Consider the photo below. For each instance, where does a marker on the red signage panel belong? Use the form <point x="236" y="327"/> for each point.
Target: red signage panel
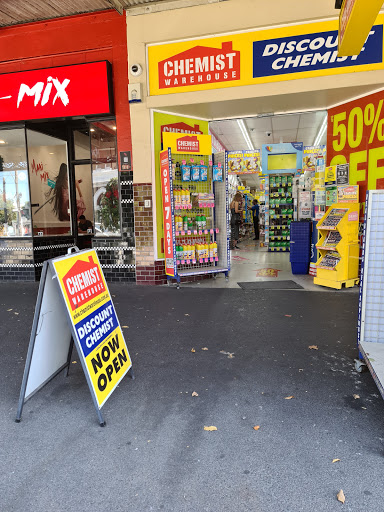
<point x="188" y="144"/>
<point x="65" y="91"/>
<point x="83" y="282"/>
<point x="356" y="137"/>
<point x="167" y="212"/>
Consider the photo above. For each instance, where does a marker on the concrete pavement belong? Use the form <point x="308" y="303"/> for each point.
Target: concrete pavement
<point x="154" y="453"/>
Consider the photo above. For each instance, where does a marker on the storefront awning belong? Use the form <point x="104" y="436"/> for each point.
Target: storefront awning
<point x="14" y="13"/>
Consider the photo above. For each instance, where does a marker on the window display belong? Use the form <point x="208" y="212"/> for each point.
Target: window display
<point x="15" y="207"/>
<point x="105" y="178"/>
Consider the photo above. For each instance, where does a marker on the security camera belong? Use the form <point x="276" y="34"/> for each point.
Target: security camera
<point x="136" y="70"/>
<point x="268" y="134"/>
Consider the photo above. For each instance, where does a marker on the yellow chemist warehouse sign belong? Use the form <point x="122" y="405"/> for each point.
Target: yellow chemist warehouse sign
<point x="189" y="144"/>
<point x="284" y="53"/>
<point x="97" y="330"/>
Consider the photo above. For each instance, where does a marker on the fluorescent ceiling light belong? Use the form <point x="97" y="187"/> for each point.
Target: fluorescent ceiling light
<point x="244" y="131"/>
<point x="321" y="131"/>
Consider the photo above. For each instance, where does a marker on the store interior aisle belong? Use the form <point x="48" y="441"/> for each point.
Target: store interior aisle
<point x="254" y="263"/>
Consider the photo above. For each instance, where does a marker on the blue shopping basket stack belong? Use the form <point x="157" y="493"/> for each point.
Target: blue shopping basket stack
<point x="300" y="247"/>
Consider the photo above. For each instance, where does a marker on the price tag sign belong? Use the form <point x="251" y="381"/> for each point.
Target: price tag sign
<point x="210" y="162"/>
<point x="201" y="162"/>
<point x="219" y="164"/>
<point x="183" y="233"/>
<point x="188" y="262"/>
<point x="183" y="162"/>
<point x="188" y="232"/>
<point x="182" y="262"/>
<point x="211" y="231"/>
<point x="200" y="232"/>
<point x="193" y="261"/>
<point x="205" y="260"/>
<point x="217" y="230"/>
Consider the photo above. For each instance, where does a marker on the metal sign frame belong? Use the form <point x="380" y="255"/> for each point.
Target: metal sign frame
<point x="49" y="278"/>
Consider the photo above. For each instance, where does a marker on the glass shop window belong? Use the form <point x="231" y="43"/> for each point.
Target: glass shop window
<point x="105" y="179"/>
<point x="49" y="184"/>
<point x="15" y="207"/>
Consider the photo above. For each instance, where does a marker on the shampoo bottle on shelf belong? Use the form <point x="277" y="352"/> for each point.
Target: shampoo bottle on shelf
<point x="185" y="223"/>
<point x="214" y="249"/>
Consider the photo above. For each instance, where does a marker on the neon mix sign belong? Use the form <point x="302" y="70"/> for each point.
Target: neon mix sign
<point x="65" y="91"/>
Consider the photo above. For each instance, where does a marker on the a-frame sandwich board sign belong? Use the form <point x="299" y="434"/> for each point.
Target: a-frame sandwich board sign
<point x="74" y="305"/>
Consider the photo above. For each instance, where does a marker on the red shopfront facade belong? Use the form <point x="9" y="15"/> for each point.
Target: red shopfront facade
<point x="64" y="121"/>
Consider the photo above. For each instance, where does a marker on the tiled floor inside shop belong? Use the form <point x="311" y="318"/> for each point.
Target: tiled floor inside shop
<point x="250" y="261"/>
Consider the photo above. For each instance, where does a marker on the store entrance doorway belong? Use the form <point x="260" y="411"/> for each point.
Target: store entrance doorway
<point x="272" y="163"/>
<point x="60" y="177"/>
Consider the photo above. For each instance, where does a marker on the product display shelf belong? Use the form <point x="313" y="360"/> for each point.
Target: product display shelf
<point x="199" y="218"/>
<point x="280" y="210"/>
<point x="338" y="264"/>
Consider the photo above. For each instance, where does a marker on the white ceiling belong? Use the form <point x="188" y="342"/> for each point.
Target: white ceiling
<point x="301" y="127"/>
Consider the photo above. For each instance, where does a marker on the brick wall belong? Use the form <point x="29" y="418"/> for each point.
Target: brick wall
<point x="48" y="248"/>
<point x="145" y="260"/>
<point x="16" y="260"/>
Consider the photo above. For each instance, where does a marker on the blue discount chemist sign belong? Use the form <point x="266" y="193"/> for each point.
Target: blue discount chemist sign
<point x="311" y="52"/>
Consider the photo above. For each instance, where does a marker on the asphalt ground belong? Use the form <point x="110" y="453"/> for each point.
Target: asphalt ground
<point x="154" y="454"/>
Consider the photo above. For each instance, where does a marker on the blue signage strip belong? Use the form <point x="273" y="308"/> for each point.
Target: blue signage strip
<point x="96" y="327"/>
<point x="311" y="52"/>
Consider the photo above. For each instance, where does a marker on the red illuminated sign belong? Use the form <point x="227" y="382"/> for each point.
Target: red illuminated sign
<point x="200" y="65"/>
<point x="65" y="91"/>
<point x="188" y="144"/>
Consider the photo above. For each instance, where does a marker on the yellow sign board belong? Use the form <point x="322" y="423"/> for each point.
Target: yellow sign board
<point x="188" y="144"/>
<point x="330" y="175"/>
<point x="96" y="328"/>
<point x="259" y="56"/>
<point x="355" y="23"/>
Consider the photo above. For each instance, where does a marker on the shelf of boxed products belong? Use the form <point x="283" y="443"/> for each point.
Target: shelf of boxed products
<point x="197" y="253"/>
<point x="331" y="240"/>
<point x="281" y="209"/>
<point x="184" y="199"/>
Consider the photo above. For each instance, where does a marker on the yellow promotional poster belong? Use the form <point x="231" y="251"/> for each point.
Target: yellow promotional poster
<point x="169" y="123"/>
<point x="100" y="341"/>
<point x="259" y="56"/>
<point x="330" y="175"/>
<point x="244" y="162"/>
<point x="348" y="194"/>
<point x="188" y="144"/>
